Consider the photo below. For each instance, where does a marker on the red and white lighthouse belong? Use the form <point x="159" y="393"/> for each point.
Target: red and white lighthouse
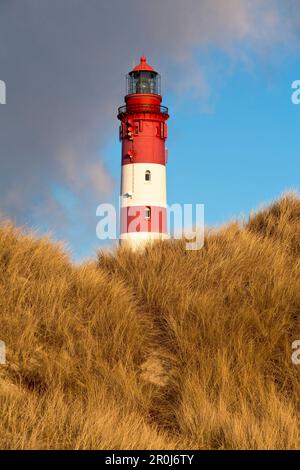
<point x="143" y="132"/>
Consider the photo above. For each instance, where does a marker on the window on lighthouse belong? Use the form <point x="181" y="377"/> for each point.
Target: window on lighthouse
<point x="147" y="213"/>
<point x="148" y="175"/>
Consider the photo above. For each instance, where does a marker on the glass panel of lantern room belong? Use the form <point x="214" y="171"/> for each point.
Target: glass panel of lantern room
<point x="143" y="82"/>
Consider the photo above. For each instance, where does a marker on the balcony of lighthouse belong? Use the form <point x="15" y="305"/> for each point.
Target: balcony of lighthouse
<point x="142" y="108"/>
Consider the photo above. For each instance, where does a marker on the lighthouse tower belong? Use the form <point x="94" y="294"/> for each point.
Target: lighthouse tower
<point x="143" y="133"/>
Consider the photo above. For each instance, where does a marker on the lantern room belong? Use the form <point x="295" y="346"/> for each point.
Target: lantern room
<point x="143" y="79"/>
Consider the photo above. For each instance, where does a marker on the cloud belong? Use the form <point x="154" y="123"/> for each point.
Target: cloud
<point x="64" y="63"/>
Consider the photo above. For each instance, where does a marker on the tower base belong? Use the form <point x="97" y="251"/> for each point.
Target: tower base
<point x="139" y="240"/>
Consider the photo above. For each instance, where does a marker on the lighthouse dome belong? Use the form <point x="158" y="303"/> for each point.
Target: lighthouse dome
<point x="143" y="66"/>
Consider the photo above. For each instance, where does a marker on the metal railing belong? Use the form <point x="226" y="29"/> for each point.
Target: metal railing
<point x="143" y="108"/>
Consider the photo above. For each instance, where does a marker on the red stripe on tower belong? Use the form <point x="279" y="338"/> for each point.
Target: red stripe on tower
<point x="143" y="219"/>
<point x="143" y="132"/>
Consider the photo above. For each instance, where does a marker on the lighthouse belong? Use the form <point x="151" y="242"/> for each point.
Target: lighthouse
<point x="143" y="133"/>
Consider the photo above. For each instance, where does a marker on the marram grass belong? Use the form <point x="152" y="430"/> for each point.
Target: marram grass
<point x="161" y="349"/>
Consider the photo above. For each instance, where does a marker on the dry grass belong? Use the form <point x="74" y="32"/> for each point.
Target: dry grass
<point x="156" y="350"/>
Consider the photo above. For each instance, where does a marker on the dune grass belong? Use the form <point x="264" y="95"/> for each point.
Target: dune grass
<point x="160" y="349"/>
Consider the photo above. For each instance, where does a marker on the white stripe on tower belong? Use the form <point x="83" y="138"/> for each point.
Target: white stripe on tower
<point x="145" y="192"/>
